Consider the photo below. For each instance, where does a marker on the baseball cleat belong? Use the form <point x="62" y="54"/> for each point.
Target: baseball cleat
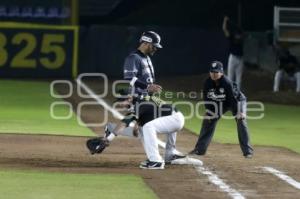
<point x="152" y="165"/>
<point x="106" y="130"/>
<point x="249" y="156"/>
<point x="109" y="129"/>
<point x="174" y="157"/>
<point x="144" y="163"/>
<point x="196" y="152"/>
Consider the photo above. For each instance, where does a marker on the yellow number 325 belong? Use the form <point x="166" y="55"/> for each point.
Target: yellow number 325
<point x="51" y="47"/>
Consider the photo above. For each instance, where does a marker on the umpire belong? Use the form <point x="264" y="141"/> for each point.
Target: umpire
<point x="220" y="95"/>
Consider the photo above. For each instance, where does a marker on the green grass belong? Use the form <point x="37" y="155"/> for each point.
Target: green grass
<point x="280" y="126"/>
<point x="54" y="185"/>
<point x="25" y="108"/>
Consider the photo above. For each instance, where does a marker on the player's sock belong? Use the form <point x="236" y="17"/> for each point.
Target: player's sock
<point x="110" y="137"/>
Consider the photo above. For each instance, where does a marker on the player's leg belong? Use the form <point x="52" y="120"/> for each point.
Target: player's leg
<point x="297" y="77"/>
<point x="122" y="128"/>
<point x="243" y="132"/>
<point x="239" y="71"/>
<point x="149" y="140"/>
<point x="230" y="67"/>
<point x="112" y="130"/>
<point x="169" y="125"/>
<point x="206" y="134"/>
<point x="243" y="135"/>
<point x="170" y="145"/>
<point x="150" y="143"/>
<point x="170" y="152"/>
<point x="277" y="79"/>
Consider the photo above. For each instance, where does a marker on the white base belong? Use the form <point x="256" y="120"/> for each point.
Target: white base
<point x="187" y="161"/>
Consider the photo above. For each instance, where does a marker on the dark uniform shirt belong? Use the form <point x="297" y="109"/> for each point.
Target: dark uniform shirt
<point x="289" y="64"/>
<point x="236" y="44"/>
<point x="224" y="94"/>
<point x="150" y="109"/>
<point x="138" y="68"/>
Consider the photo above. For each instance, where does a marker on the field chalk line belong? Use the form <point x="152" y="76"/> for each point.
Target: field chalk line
<point x="213" y="178"/>
<point x="283" y="177"/>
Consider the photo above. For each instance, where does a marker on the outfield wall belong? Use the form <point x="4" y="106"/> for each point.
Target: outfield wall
<point x="38" y="51"/>
<point x="45" y="51"/>
<point x="185" y="50"/>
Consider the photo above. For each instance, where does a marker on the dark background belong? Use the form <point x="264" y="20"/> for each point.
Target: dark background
<point x="256" y="15"/>
<point x="191" y="31"/>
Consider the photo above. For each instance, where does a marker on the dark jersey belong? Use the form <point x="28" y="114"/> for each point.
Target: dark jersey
<point x="138" y="69"/>
<point x="147" y="110"/>
<point x="289" y="64"/>
<point x="223" y="93"/>
<point x="236" y="44"/>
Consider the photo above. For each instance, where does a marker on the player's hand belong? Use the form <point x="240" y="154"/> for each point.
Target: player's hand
<point x="154" y="88"/>
<point x="226" y="18"/>
<point x="241" y="116"/>
<point x="135" y="131"/>
<point x="130" y="99"/>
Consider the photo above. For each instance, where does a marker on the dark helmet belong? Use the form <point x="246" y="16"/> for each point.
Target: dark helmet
<point x="151" y="37"/>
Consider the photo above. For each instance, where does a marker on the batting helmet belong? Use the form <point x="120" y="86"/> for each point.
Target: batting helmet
<point x="151" y="37"/>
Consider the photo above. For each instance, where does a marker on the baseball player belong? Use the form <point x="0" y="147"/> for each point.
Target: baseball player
<point x="288" y="68"/>
<point x="220" y="95"/>
<point x="235" y="61"/>
<point x="153" y="116"/>
<point x="138" y="69"/>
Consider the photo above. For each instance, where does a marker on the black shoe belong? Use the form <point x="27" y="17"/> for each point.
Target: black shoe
<point x="196" y="152"/>
<point x="144" y="163"/>
<point x="106" y="131"/>
<point x="248" y="156"/>
<point x="152" y="165"/>
<point x="174" y="157"/>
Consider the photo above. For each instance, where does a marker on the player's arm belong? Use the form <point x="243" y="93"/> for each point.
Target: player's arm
<point x="208" y="103"/>
<point x="225" y="26"/>
<point x="205" y="93"/>
<point x="237" y="100"/>
<point x="131" y="68"/>
<point x="232" y="94"/>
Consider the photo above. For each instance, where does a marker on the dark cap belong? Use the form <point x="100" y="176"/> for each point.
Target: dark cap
<point x="151" y="37"/>
<point x="216" y="67"/>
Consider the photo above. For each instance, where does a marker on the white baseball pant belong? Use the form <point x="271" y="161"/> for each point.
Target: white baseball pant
<point x="279" y="75"/>
<point x="168" y="125"/>
<point x="235" y="69"/>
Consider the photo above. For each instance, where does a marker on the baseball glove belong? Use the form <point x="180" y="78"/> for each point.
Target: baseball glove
<point x="96" y="145"/>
